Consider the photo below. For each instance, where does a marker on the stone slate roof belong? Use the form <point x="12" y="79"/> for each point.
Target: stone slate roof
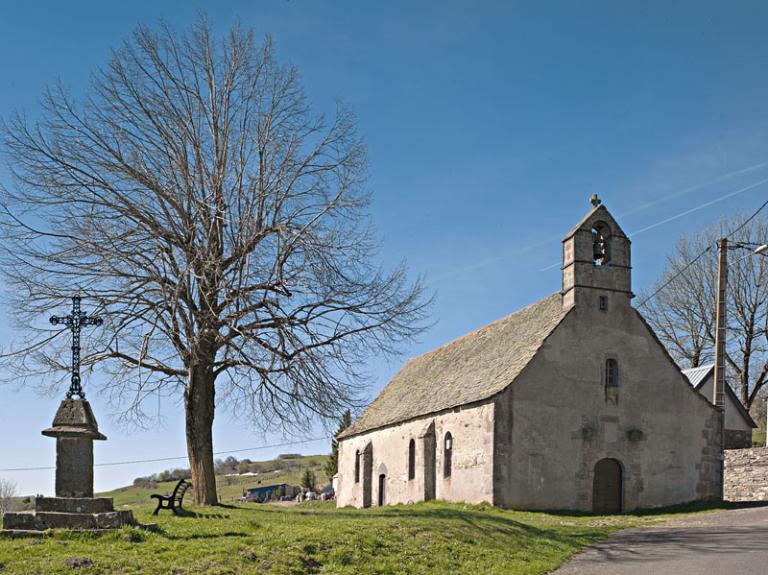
<point x="698" y="375"/>
<point x="469" y="369"/>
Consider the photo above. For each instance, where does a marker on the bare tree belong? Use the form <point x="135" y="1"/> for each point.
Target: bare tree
<point x="219" y="224"/>
<point x="683" y="312"/>
<point x="8" y="491"/>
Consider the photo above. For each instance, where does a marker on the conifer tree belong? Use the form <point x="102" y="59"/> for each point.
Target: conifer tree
<point x="332" y="466"/>
<point x="309" y="480"/>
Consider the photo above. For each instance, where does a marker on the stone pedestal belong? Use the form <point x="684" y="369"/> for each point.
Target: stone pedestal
<point x="75" y="430"/>
<point x="74" y="506"/>
<point x="67" y="513"/>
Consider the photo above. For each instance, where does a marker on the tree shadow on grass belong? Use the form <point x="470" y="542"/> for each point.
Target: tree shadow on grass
<point x="201" y="515"/>
<point x="486" y="521"/>
<point x="194" y="536"/>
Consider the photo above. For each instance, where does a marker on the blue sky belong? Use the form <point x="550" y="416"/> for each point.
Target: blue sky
<point x="489" y="125"/>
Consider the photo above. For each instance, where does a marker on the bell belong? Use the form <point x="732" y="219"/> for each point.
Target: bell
<point x="598" y="253"/>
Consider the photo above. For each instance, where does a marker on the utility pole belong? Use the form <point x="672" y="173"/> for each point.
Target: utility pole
<point x="718" y="385"/>
<point x="720" y="327"/>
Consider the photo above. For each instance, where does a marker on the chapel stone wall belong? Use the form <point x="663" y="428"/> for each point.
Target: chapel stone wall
<point x="559" y="419"/>
<point x="471" y="430"/>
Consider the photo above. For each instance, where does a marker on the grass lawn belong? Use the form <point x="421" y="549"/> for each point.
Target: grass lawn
<point x="425" y="538"/>
<point x="229" y="488"/>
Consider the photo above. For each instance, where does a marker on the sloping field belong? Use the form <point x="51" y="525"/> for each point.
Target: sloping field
<point x="426" y="538"/>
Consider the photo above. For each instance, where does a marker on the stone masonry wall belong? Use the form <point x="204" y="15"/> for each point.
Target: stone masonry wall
<point x="746" y="474"/>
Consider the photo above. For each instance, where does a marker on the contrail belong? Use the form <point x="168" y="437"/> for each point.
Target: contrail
<point x="700" y="207"/>
<point x="638" y="209"/>
<point x="693" y="188"/>
<point x="686" y="212"/>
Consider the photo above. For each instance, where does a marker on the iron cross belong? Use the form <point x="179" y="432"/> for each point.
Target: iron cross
<point x="76" y="320"/>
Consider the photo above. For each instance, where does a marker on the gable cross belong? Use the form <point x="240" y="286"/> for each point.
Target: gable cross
<point x="75" y="321"/>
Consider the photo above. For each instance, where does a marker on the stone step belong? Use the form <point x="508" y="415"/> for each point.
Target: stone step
<point x="74" y="504"/>
<point x="42" y="520"/>
<point x="22" y="533"/>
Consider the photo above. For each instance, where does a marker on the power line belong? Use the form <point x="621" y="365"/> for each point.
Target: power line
<point x="674" y="277"/>
<point x="698" y="257"/>
<point x="161" y="459"/>
<point x="749" y="219"/>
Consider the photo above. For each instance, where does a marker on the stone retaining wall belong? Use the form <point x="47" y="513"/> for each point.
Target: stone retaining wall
<point x="746" y="474"/>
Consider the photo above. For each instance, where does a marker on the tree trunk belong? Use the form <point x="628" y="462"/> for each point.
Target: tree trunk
<point x="199" y="406"/>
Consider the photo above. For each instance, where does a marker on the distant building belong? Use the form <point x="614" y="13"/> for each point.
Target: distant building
<point x="289" y="456"/>
<point x="738" y="423"/>
<point x="270" y="492"/>
<point x="569" y="403"/>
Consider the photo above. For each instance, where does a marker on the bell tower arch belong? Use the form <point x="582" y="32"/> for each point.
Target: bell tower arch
<point x="597" y="261"/>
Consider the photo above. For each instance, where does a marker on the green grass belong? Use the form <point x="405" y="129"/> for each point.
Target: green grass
<point x="758" y="437"/>
<point x="230" y="488"/>
<point x="425" y="538"/>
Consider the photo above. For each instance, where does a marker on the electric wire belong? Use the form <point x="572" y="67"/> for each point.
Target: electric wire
<point x="161" y="459"/>
<point x="698" y="257"/>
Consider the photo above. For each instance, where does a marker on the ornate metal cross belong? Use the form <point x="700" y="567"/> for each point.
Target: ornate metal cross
<point x="76" y="320"/>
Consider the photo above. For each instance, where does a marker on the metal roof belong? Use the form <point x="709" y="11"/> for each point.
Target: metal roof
<point x="698" y="375"/>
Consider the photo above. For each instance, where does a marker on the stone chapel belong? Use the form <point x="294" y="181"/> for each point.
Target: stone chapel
<point x="571" y="403"/>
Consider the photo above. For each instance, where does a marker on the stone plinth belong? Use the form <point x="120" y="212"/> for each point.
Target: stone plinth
<point x="68" y="513"/>
<point x="74" y="506"/>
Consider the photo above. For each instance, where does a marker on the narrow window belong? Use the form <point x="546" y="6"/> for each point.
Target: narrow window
<point x="612" y="382"/>
<point x="611" y="373"/>
<point x="357" y="466"/>
<point x="447" y="455"/>
<point x="412" y="460"/>
<point x="603" y="303"/>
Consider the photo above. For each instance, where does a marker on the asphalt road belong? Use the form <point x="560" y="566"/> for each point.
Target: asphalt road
<point x="731" y="542"/>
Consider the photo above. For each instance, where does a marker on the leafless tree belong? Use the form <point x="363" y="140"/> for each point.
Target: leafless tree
<point x="217" y="223"/>
<point x="8" y="491"/>
<point x="683" y="312"/>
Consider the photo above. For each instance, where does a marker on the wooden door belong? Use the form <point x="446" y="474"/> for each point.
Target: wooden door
<point x="608" y="489"/>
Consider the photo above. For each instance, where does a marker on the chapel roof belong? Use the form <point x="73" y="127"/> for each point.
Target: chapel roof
<point x="698" y="375"/>
<point x="471" y="368"/>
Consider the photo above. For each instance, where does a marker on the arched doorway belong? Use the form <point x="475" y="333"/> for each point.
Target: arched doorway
<point x="608" y="488"/>
<point x="367" y="475"/>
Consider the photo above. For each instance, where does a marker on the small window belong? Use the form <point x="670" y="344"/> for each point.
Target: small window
<point x="357" y="466"/>
<point x="447" y="455"/>
<point x="603" y="303"/>
<point x="611" y="373"/>
<point x="412" y="460"/>
<point x="611" y="382"/>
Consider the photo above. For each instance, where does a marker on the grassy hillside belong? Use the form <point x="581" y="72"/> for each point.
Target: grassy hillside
<point x="230" y="488"/>
<point x="426" y="538"/>
<point x="432" y="538"/>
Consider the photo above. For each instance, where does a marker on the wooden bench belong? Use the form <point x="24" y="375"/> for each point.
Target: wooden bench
<point x="174" y="500"/>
